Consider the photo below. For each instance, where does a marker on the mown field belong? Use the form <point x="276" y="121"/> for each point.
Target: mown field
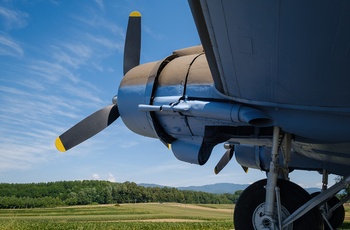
<point x="125" y="216"/>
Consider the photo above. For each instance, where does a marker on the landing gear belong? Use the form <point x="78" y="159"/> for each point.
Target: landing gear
<point x="269" y="204"/>
<point x="278" y="204"/>
<point x="333" y="219"/>
<point x="249" y="210"/>
<point x="332" y="210"/>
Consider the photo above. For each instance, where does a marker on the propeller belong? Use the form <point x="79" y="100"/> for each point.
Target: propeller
<point x="132" y="47"/>
<point x="102" y="118"/>
<point x="87" y="128"/>
<point x="224" y="160"/>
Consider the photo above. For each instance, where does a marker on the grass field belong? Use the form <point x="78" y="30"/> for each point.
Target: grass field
<point x="125" y="216"/>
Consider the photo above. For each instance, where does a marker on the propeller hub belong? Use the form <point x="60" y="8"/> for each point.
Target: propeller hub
<point x="115" y="100"/>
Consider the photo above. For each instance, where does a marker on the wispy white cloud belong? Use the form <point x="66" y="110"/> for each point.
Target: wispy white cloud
<point x="156" y="35"/>
<point x="10" y="47"/>
<point x="23" y="147"/>
<point x="111" y="178"/>
<point x="95" y="176"/>
<point x="106" y="43"/>
<point x="48" y="90"/>
<point x="176" y="165"/>
<point x="20" y="108"/>
<point x="11" y="90"/>
<point x="128" y="144"/>
<point x="79" y="50"/>
<point x="96" y="21"/>
<point x="13" y="19"/>
<point x="100" y="4"/>
<point x="51" y="71"/>
<point x="30" y="83"/>
<point x="30" y="119"/>
<point x="88" y="54"/>
<point x="73" y="55"/>
<point x="83" y="93"/>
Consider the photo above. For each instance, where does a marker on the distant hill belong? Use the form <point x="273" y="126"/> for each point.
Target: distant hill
<point x="151" y="185"/>
<point x="218" y="188"/>
<point x="312" y="190"/>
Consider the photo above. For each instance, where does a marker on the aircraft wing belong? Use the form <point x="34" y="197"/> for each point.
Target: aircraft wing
<point x="278" y="52"/>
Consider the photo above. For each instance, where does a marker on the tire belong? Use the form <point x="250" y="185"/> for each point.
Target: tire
<point x="336" y="219"/>
<point x="292" y="197"/>
<point x="338" y="215"/>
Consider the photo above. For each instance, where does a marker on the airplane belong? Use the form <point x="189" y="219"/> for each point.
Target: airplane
<point x="270" y="81"/>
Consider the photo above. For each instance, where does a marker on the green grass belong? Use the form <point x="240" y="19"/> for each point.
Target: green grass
<point x="125" y="216"/>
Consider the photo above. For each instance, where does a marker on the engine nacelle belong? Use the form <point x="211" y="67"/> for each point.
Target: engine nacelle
<point x="175" y="100"/>
<point x="163" y="83"/>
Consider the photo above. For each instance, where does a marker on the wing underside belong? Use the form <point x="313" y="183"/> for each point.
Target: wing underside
<point x="278" y="52"/>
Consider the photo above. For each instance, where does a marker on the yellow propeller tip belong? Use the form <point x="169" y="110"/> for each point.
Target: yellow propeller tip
<point x="135" y="14"/>
<point x="60" y="147"/>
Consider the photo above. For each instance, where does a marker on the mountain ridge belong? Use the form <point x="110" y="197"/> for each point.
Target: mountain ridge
<point x="217" y="188"/>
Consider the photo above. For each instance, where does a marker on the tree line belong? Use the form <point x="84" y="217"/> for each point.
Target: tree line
<point x="63" y="193"/>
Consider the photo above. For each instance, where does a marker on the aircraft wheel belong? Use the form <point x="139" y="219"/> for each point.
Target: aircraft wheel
<point x="250" y="206"/>
<point x="336" y="218"/>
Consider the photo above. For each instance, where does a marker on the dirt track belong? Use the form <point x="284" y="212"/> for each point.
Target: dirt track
<point x="193" y="206"/>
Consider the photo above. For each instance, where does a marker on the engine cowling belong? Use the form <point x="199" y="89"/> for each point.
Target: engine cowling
<point x="132" y="92"/>
<point x="175" y="100"/>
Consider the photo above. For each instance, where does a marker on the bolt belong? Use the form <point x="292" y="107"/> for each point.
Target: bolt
<point x="266" y="223"/>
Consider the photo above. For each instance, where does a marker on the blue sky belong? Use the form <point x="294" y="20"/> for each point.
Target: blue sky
<point x="60" y="61"/>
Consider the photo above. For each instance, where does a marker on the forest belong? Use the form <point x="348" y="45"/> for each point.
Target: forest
<point x="87" y="192"/>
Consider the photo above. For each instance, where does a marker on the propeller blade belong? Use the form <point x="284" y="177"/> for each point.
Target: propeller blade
<point x="224" y="160"/>
<point x="132" y="46"/>
<point x="87" y="128"/>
